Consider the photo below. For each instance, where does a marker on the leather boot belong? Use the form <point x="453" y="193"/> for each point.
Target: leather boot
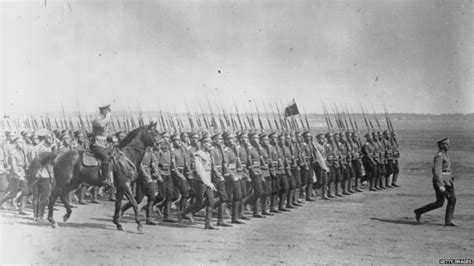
<point x="220" y="215"/>
<point x="371" y="184"/>
<point x="21" y="211"/>
<point x="387" y="182"/>
<point x="265" y="205"/>
<point x="349" y="186"/>
<point x="357" y="181"/>
<point x="336" y="185"/>
<point x="94" y="191"/>
<point x="105" y="174"/>
<point x="255" y="209"/>
<point x="344" y="187"/>
<point x="241" y="210"/>
<point x="167" y="213"/>
<point x="273" y="204"/>
<point x="82" y="195"/>
<point x="235" y="213"/>
<point x="281" y="203"/>
<point x="208" y="224"/>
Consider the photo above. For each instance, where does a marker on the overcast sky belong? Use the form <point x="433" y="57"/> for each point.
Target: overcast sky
<point x="414" y="55"/>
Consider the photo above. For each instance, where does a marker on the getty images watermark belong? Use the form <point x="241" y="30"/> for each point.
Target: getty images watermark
<point x="455" y="261"/>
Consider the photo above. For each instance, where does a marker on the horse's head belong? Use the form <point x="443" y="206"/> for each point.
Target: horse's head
<point x="151" y="134"/>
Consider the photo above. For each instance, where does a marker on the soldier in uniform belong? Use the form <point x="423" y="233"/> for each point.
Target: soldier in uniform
<point x="245" y="181"/>
<point x="388" y="157"/>
<point x="346" y="167"/>
<point x="18" y="162"/>
<point x="369" y="161"/>
<point x="333" y="160"/>
<point x="279" y="178"/>
<point x="266" y="165"/>
<point x="255" y="171"/>
<point x="307" y="155"/>
<point x="287" y="188"/>
<point x="44" y="176"/>
<point x="354" y="142"/>
<point x="298" y="164"/>
<point x="443" y="184"/>
<point x="179" y="168"/>
<point x="232" y="175"/>
<point x="379" y="158"/>
<point x="218" y="172"/>
<point x="164" y="158"/>
<point x="204" y="188"/>
<point x="100" y="132"/>
<point x="322" y="172"/>
<point x="396" y="156"/>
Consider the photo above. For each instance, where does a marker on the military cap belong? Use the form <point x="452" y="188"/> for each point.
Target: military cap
<point x="227" y="135"/>
<point x="367" y="135"/>
<point x="183" y="135"/>
<point x="204" y="137"/>
<point x="355" y="134"/>
<point x="216" y="135"/>
<point x="192" y="134"/>
<point x="306" y="134"/>
<point x="104" y="107"/>
<point x="281" y="136"/>
<point x="328" y="135"/>
<point x="8" y="133"/>
<point x="386" y="132"/>
<point x="165" y="134"/>
<point x="15" y="139"/>
<point x="262" y="135"/>
<point x="348" y="134"/>
<point x="440" y="141"/>
<point x="297" y="133"/>
<point x="42" y="132"/>
<point x="272" y="134"/>
<point x="252" y="135"/>
<point x="320" y="135"/>
<point x="63" y="136"/>
<point x="23" y="133"/>
<point x="174" y="136"/>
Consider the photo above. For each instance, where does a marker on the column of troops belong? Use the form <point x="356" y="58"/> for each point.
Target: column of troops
<point x="241" y="174"/>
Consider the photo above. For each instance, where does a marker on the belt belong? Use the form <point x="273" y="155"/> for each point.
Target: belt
<point x="445" y="173"/>
<point x="232" y="166"/>
<point x="256" y="163"/>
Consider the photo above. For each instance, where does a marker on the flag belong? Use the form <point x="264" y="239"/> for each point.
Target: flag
<point x="292" y="109"/>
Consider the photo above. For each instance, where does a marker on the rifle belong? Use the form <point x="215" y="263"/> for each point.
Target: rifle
<point x="268" y="119"/>
<point x="238" y="117"/>
<point x="258" y="117"/>
<point x="365" y="118"/>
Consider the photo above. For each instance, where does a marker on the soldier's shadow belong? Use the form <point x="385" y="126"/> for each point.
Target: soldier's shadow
<point x="404" y="220"/>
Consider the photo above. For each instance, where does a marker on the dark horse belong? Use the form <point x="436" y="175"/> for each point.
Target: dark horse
<point x="69" y="172"/>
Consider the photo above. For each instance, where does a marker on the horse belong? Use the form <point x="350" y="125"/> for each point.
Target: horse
<point x="69" y="172"/>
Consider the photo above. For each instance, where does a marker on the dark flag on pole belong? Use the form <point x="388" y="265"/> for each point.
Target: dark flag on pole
<point x="292" y="109"/>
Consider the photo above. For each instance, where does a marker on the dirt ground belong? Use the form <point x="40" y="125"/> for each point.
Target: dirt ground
<point x="366" y="228"/>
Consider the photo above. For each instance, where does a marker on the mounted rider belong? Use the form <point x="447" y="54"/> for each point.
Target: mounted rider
<point x="100" y="133"/>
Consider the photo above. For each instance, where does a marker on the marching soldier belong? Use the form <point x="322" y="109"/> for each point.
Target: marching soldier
<point x="443" y="184"/>
<point x="307" y="155"/>
<point x="333" y="164"/>
<point x="354" y="142"/>
<point x="245" y="181"/>
<point x="266" y="165"/>
<point x="322" y="173"/>
<point x="279" y="179"/>
<point x="287" y="181"/>
<point x="178" y="168"/>
<point x="255" y="170"/>
<point x="299" y="163"/>
<point x="218" y="172"/>
<point x="378" y="153"/>
<point x="204" y="188"/>
<point x="396" y="156"/>
<point x="44" y="175"/>
<point x="232" y="176"/>
<point x="164" y="158"/>
<point x="369" y="161"/>
<point x="18" y="162"/>
<point x="346" y="169"/>
<point x="389" y="158"/>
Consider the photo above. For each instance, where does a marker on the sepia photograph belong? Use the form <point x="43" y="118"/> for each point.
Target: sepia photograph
<point x="196" y="132"/>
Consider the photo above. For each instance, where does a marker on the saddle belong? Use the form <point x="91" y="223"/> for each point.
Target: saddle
<point x="89" y="160"/>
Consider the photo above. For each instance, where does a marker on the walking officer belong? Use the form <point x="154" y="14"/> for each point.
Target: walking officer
<point x="443" y="184"/>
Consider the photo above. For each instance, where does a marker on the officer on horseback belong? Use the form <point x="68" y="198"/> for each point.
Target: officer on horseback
<point x="100" y="132"/>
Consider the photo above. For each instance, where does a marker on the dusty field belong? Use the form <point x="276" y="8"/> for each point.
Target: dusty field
<point x="367" y="228"/>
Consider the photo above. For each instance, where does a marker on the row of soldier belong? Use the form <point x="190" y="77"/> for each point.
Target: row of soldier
<point x="272" y="172"/>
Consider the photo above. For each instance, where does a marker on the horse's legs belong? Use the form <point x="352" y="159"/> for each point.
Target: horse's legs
<point x="64" y="196"/>
<point x="118" y="205"/>
<point x="127" y="190"/>
<point x="52" y="200"/>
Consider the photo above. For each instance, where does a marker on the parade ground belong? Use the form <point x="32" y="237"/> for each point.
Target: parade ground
<point x="365" y="228"/>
